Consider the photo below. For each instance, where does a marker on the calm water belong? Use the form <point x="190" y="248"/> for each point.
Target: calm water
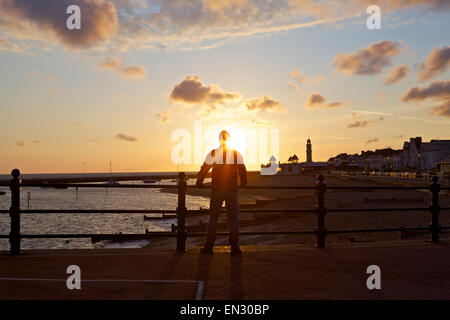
<point x="89" y="198"/>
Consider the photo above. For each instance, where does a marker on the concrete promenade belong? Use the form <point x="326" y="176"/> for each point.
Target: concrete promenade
<point x="409" y="270"/>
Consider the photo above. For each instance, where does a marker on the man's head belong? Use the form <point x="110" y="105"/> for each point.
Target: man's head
<point x="224" y="136"/>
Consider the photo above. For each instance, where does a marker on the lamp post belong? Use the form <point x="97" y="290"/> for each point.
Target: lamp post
<point x="418" y="160"/>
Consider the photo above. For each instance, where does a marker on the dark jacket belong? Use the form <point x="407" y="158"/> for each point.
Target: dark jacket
<point x="225" y="164"/>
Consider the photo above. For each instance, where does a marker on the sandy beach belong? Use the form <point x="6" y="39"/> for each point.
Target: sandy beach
<point x="305" y="199"/>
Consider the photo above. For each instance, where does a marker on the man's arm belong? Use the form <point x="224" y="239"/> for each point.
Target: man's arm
<point x="242" y="174"/>
<point x="202" y="173"/>
<point x="241" y="168"/>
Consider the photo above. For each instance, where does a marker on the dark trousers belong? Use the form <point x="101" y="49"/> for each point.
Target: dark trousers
<point x="231" y="203"/>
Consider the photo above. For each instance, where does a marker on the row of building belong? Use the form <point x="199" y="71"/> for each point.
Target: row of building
<point x="416" y="155"/>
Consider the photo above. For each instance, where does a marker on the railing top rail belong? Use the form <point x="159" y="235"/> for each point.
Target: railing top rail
<point x="174" y="186"/>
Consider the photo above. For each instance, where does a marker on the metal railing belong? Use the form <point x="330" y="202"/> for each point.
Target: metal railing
<point x="181" y="211"/>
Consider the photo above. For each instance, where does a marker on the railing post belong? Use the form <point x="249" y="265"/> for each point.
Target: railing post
<point x="14" y="213"/>
<point x="181" y="213"/>
<point x="321" y="231"/>
<point x="435" y="209"/>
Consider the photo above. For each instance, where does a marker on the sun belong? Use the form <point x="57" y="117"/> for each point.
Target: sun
<point x="238" y="139"/>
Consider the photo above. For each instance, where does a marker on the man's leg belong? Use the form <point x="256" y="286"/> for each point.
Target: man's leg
<point x="215" y="206"/>
<point x="231" y="203"/>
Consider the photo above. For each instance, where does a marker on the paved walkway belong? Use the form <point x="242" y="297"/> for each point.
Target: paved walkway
<point x="409" y="270"/>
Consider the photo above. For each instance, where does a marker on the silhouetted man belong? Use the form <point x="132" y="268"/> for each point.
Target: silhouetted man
<point x="226" y="163"/>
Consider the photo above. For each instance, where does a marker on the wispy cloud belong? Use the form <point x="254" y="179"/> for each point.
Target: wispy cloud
<point x="75" y="123"/>
<point x="358" y="122"/>
<point x="396" y="75"/>
<point x="367" y="61"/>
<point x="399" y="116"/>
<point x="294" y="86"/>
<point x="264" y="103"/>
<point x="44" y="20"/>
<point x="437" y="91"/>
<point x="437" y="62"/>
<point x="116" y="65"/>
<point x="177" y="24"/>
<point x="125" y="137"/>
<point x="6" y="45"/>
<point x="297" y="75"/>
<point x="191" y="91"/>
<point x="317" y="101"/>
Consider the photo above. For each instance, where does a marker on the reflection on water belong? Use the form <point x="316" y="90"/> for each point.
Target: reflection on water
<point x="88" y="198"/>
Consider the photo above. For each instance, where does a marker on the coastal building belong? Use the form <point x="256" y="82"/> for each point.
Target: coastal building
<point x="271" y="168"/>
<point x="293" y="166"/>
<point x="415" y="155"/>
<point x="444" y="167"/>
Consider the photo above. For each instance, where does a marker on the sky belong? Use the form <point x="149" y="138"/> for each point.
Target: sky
<point x="149" y="84"/>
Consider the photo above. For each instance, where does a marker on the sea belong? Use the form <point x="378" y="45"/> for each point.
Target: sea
<point x="90" y="198"/>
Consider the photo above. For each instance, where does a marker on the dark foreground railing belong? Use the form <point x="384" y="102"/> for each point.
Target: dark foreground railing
<point x="181" y="234"/>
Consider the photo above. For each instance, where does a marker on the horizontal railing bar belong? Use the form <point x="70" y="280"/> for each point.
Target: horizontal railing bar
<point x="313" y="232"/>
<point x="253" y="233"/>
<point x="114" y="211"/>
<point x="377" y="209"/>
<point x="157" y="234"/>
<point x="377" y="230"/>
<point x="284" y="211"/>
<point x="111" y="211"/>
<point x="102" y="235"/>
<point x="97" y="185"/>
<point x="173" y="186"/>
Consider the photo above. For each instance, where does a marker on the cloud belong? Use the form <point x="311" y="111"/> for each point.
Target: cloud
<point x="191" y="91"/>
<point x="167" y="115"/>
<point x="437" y="90"/>
<point x="367" y="61"/>
<point x="372" y="140"/>
<point x="75" y="124"/>
<point x="265" y="103"/>
<point x="300" y="78"/>
<point x="163" y="116"/>
<point x="437" y="62"/>
<point x="358" y="124"/>
<point x="442" y="110"/>
<point x="316" y="101"/>
<point x="297" y="75"/>
<point x="46" y="20"/>
<point x="396" y="74"/>
<point x="256" y="121"/>
<point x="180" y="24"/>
<point x="116" y="65"/>
<point x="317" y="78"/>
<point x="125" y="137"/>
<point x="6" y="45"/>
<point x="294" y="86"/>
